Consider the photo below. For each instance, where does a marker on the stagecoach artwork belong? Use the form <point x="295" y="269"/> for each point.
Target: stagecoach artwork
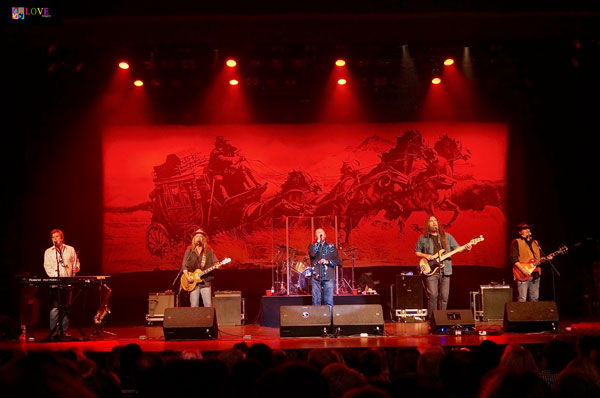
<point x="220" y="193"/>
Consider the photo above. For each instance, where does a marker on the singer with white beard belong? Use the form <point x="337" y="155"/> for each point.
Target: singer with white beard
<point x="522" y="250"/>
<point x="199" y="256"/>
<point x="60" y="260"/>
<point x="323" y="258"/>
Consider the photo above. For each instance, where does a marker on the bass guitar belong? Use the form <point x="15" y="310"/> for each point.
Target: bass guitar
<point x="523" y="271"/>
<point x="427" y="266"/>
<point x="198" y="274"/>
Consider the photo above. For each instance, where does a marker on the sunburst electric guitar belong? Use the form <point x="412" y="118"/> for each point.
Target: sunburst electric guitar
<point x="430" y="267"/>
<point x="198" y="274"/>
<point x="523" y="271"/>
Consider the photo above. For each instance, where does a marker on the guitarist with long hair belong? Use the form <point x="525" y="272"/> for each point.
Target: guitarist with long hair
<point x="199" y="256"/>
<point x="523" y="250"/>
<point x="437" y="283"/>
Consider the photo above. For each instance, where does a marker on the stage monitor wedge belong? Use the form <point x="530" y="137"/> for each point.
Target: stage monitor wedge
<point x="528" y="317"/>
<point x="445" y="321"/>
<point x="304" y="321"/>
<point x="354" y="319"/>
<point x="190" y="323"/>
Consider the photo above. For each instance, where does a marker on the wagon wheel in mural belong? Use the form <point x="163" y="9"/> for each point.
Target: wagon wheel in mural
<point x="157" y="240"/>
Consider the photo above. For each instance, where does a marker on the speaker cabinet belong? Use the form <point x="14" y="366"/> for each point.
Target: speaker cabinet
<point x="409" y="292"/>
<point x="525" y="317"/>
<point x="445" y="320"/>
<point x="190" y="323"/>
<point x="493" y="299"/>
<point x="228" y="305"/>
<point x="304" y="321"/>
<point x="157" y="302"/>
<point x="354" y="319"/>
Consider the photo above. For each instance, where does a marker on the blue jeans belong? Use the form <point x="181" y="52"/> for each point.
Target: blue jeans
<point x="205" y="292"/>
<point x="437" y="287"/>
<point x="65" y="300"/>
<point x="529" y="290"/>
<point x="324" y="298"/>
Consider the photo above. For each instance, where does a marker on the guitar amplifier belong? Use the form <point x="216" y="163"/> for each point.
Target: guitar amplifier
<point x="409" y="292"/>
<point x="157" y="302"/>
<point x="488" y="303"/>
<point x="493" y="299"/>
<point x="229" y="308"/>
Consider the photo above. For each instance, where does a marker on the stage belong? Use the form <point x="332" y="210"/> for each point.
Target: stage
<point x="397" y="336"/>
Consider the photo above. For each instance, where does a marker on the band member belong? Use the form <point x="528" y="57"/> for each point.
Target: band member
<point x="437" y="285"/>
<point x="199" y="256"/>
<point x="323" y="258"/>
<point x="522" y="250"/>
<point x="60" y="260"/>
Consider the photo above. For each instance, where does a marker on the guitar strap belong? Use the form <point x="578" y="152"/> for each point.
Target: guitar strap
<point x="437" y="243"/>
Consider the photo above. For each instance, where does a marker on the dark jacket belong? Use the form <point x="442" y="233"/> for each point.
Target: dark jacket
<point x="192" y="262"/>
<point x="328" y="252"/>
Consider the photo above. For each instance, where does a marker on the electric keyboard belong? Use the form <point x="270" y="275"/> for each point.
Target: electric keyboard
<point x="67" y="280"/>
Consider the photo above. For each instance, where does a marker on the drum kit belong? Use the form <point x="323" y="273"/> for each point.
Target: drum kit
<point x="300" y="271"/>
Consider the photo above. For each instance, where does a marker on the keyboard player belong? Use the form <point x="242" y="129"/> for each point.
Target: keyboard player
<point x="60" y="260"/>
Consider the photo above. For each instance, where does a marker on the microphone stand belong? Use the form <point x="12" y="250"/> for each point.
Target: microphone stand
<point x="323" y="270"/>
<point x="552" y="273"/>
<point x="59" y="304"/>
<point x="177" y="277"/>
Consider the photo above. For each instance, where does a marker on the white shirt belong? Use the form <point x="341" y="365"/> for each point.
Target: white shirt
<point x="68" y="263"/>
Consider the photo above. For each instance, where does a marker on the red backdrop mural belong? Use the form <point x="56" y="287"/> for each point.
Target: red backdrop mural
<point x="256" y="188"/>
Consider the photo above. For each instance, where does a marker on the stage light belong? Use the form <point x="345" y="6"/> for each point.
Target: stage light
<point x="448" y="62"/>
<point x="436" y="80"/>
<point x="233" y="82"/>
<point x="138" y="83"/>
<point x="231" y="62"/>
<point x="341" y="82"/>
<point x="340" y="62"/>
<point x="123" y="65"/>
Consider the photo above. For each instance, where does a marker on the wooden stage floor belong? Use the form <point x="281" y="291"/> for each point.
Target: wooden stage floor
<point x="397" y="335"/>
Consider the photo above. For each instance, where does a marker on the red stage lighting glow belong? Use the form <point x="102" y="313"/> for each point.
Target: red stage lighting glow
<point x="340" y="62"/>
<point x="448" y="62"/>
<point x="233" y="82"/>
<point x="123" y="65"/>
<point x="341" y="82"/>
<point x="231" y="62"/>
<point x="138" y="83"/>
<point x="436" y="80"/>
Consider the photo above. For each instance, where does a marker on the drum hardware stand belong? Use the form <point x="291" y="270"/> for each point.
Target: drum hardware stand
<point x="344" y="282"/>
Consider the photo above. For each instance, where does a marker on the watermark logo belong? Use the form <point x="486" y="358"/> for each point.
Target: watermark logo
<point x="18" y="13"/>
<point x="35" y="12"/>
